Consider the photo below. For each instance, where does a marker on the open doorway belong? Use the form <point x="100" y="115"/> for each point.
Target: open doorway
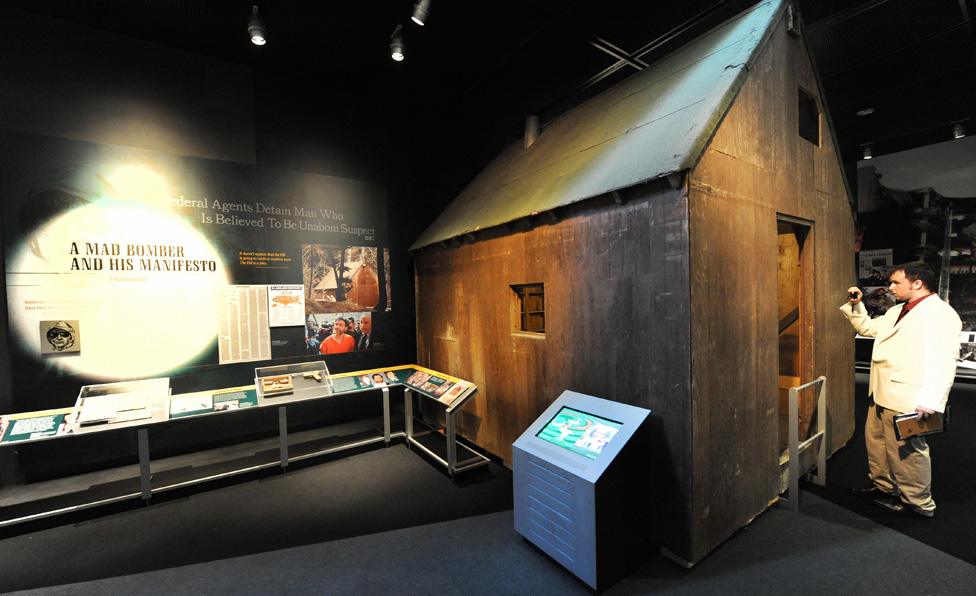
<point x="795" y="316"/>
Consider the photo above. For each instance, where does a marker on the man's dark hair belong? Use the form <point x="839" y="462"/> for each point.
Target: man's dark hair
<point x="918" y="271"/>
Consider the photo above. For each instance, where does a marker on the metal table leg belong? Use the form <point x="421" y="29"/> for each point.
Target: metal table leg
<point x="145" y="476"/>
<point x="408" y="414"/>
<point x="451" y="435"/>
<point x="386" y="415"/>
<point x="283" y="435"/>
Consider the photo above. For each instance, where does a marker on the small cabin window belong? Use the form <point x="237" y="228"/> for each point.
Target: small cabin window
<point x="530" y="300"/>
<point x="809" y="118"/>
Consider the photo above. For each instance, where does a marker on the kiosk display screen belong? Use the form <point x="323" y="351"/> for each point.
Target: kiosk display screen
<point x="579" y="432"/>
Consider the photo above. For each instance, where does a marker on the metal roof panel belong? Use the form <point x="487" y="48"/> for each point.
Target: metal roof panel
<point x="655" y="123"/>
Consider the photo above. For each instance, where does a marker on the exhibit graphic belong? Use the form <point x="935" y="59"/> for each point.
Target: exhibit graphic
<point x="875" y="263"/>
<point x="36" y="427"/>
<point x="143" y="280"/>
<point x="344" y="384"/>
<point x="579" y="432"/>
<point x="456" y="391"/>
<point x="433" y="385"/>
<point x="286" y="305"/>
<point x="205" y="402"/>
<point x="344" y="278"/>
<point x="190" y="404"/>
<point x="418" y="378"/>
<point x="244" y="334"/>
<point x="341" y="332"/>
<point x="235" y="400"/>
<point x="60" y="337"/>
<point x="140" y="247"/>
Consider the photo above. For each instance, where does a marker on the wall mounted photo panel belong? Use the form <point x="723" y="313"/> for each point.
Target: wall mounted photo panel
<point x="140" y="248"/>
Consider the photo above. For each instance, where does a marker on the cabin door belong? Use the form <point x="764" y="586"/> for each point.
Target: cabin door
<point x="795" y="310"/>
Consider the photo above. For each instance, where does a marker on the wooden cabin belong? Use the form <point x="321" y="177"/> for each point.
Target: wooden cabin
<point x="365" y="286"/>
<point x="685" y="239"/>
<point x="364" y="290"/>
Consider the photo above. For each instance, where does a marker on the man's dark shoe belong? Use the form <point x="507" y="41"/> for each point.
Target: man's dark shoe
<point x="929" y="513"/>
<point x="870" y="491"/>
<point x="895" y="505"/>
<point x="890" y="503"/>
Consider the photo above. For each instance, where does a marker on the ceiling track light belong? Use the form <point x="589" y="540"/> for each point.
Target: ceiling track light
<point x="421" y="12"/>
<point x="867" y="152"/>
<point x="255" y="28"/>
<point x="397" y="49"/>
<point x="958" y="130"/>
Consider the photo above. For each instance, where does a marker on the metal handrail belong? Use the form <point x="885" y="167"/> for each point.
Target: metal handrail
<point x="795" y="447"/>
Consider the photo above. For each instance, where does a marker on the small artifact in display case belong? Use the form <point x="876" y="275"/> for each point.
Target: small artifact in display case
<point x="277" y="385"/>
<point x="303" y="380"/>
<point x="123" y="401"/>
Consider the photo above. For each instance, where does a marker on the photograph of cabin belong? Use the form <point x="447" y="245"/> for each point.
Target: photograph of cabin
<point x="363" y="287"/>
<point x="680" y="242"/>
<point x="341" y="278"/>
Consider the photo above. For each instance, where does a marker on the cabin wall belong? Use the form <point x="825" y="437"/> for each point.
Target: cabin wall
<point x="755" y="167"/>
<point x="617" y="325"/>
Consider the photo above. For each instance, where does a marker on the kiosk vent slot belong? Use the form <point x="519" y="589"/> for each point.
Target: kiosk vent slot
<point x="551" y="477"/>
<point x="551" y="497"/>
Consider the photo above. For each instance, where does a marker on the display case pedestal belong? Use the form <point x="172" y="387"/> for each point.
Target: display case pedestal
<point x="444" y="451"/>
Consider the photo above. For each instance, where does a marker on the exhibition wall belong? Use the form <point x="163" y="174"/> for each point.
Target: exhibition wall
<point x="182" y="216"/>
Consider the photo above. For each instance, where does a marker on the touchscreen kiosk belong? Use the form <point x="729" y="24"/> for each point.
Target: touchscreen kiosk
<point x="579" y="432"/>
<point x="581" y="492"/>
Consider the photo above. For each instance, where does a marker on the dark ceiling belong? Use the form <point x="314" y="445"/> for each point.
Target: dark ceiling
<point x="913" y="62"/>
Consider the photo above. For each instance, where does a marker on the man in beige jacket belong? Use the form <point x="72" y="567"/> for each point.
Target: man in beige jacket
<point x="913" y="365"/>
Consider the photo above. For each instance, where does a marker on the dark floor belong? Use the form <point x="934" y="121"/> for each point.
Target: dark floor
<point x="375" y="491"/>
<point x="821" y="549"/>
<point x="953" y="530"/>
<point x="386" y="520"/>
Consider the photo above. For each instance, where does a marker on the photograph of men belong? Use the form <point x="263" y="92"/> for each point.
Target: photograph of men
<point x="913" y="366"/>
<point x="339" y="342"/>
<point x="365" y="333"/>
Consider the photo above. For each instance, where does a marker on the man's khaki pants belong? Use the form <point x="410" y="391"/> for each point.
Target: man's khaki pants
<point x="902" y="468"/>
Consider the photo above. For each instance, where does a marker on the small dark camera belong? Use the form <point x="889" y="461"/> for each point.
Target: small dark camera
<point x="852" y="295"/>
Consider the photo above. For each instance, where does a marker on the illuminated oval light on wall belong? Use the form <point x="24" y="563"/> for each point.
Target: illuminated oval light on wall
<point x="139" y="183"/>
<point x="142" y="283"/>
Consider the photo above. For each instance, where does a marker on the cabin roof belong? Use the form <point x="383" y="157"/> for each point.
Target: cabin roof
<point x="655" y="123"/>
<point x="329" y="279"/>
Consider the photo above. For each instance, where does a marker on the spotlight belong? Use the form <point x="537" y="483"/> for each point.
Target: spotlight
<point x="255" y="28"/>
<point x="421" y="12"/>
<point x="865" y="112"/>
<point x="958" y="130"/>
<point x="397" y="49"/>
<point x="867" y="152"/>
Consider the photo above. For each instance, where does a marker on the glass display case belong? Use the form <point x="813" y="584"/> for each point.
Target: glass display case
<point x="292" y="382"/>
<point x="131" y="440"/>
<point x="120" y="404"/>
